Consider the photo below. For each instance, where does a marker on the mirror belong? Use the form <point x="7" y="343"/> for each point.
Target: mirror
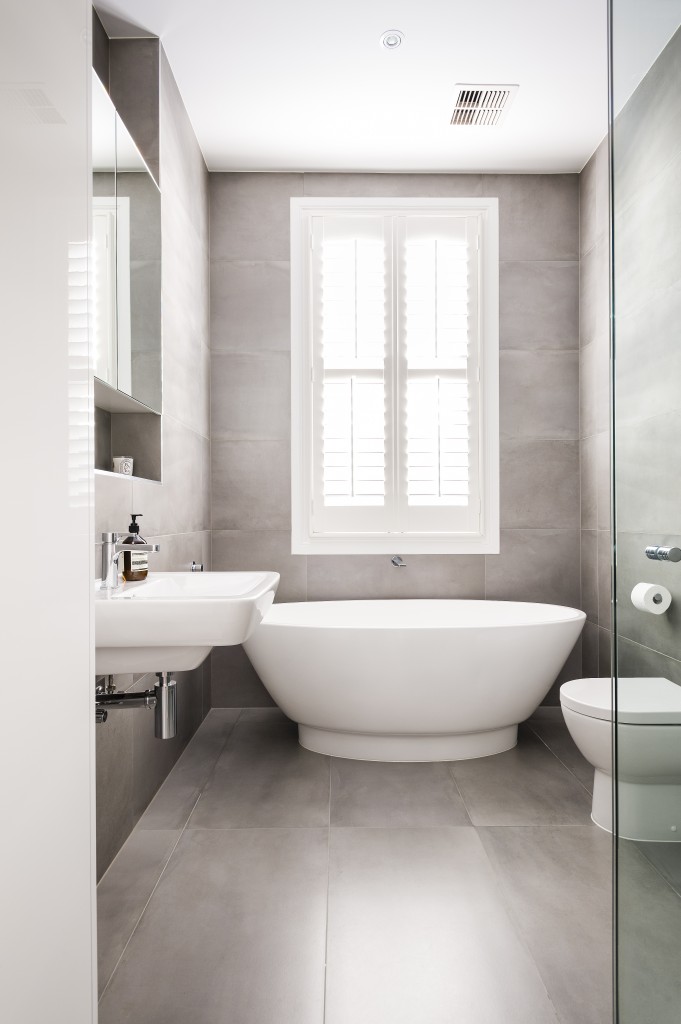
<point x="126" y="231"/>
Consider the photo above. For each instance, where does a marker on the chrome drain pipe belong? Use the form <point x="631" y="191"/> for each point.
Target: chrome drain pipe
<point x="124" y="699"/>
<point x="165" y="714"/>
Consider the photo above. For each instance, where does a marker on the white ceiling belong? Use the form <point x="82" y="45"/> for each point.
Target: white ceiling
<point x="305" y="85"/>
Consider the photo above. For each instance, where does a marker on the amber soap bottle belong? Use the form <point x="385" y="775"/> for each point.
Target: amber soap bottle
<point x="135" y="564"/>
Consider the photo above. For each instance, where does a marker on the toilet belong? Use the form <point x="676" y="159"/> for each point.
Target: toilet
<point x="648" y="752"/>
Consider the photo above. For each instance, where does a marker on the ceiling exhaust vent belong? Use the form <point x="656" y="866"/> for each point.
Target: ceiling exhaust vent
<point x="485" y="105"/>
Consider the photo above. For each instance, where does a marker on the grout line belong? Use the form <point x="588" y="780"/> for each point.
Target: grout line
<point x="158" y="880"/>
<point x="165" y="865"/>
<point x="560" y="761"/>
<point x="328" y="886"/>
<point x="674" y="888"/>
<point x="450" y="769"/>
<point x="516" y="924"/>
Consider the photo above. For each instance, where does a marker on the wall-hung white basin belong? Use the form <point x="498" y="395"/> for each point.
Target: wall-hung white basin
<point x="171" y="621"/>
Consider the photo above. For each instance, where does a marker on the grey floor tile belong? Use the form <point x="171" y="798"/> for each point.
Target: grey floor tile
<point x="123" y="893"/>
<point x="176" y="798"/>
<point x="552" y="730"/>
<point x="417" y="933"/>
<point x="524" y="786"/>
<point x="265" y="779"/>
<point x="649" y="926"/>
<point x="666" y="859"/>
<point x="557" y="887"/>
<point x="371" y="794"/>
<point x="234" y="934"/>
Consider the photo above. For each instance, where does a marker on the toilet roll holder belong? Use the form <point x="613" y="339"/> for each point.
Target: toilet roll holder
<point x="659" y="554"/>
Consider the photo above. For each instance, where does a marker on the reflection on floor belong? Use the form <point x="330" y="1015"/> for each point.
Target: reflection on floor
<point x="269" y="885"/>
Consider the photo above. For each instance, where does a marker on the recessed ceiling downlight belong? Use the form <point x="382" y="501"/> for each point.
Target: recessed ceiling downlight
<point x="392" y="39"/>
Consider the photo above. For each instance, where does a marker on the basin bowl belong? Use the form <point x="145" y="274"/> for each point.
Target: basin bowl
<point x="171" y="620"/>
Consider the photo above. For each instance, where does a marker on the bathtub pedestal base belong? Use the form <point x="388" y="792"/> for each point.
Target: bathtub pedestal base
<point x="381" y="747"/>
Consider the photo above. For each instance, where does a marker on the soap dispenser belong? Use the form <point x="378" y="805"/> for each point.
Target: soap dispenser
<point x="135" y="564"/>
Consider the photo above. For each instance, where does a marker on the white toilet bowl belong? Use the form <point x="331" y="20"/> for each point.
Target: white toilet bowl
<point x="648" y="752"/>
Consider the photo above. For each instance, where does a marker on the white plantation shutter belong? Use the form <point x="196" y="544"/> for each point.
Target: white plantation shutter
<point x="438" y="353"/>
<point x="393" y="445"/>
<point x="351" y="366"/>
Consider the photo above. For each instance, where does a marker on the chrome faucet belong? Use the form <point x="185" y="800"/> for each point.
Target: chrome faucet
<point x="111" y="552"/>
<point x="397" y="560"/>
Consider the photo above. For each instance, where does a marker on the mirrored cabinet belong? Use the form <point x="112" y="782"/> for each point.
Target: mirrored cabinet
<point x="126" y="292"/>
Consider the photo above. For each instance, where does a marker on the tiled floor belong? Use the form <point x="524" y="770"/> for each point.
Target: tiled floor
<point x="266" y="884"/>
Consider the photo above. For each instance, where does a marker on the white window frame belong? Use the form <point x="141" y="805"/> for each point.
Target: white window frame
<point x="303" y="539"/>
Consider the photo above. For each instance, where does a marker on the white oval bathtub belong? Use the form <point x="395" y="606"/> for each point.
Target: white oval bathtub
<point x="411" y="680"/>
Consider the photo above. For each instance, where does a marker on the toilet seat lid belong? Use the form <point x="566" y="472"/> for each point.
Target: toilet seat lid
<point x="640" y="701"/>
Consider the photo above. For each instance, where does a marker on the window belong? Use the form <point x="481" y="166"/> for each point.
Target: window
<point x="395" y="441"/>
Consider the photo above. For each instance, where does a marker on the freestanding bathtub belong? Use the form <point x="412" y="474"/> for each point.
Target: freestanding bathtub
<point x="411" y="680"/>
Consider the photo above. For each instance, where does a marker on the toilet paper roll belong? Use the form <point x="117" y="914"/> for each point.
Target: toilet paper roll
<point x="648" y="597"/>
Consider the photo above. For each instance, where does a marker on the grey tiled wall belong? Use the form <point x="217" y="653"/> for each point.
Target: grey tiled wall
<point x="595" y="412"/>
<point x="250" y="401"/>
<point x="131" y="763"/>
<point x="647" y="156"/>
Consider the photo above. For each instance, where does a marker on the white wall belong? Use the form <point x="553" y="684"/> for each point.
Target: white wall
<point x="46" y="676"/>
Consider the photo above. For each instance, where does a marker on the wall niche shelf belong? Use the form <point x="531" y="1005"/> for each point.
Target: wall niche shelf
<point x="124" y="426"/>
<point x="112" y="400"/>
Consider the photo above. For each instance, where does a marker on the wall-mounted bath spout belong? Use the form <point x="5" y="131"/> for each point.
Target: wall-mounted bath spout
<point x="397" y="560"/>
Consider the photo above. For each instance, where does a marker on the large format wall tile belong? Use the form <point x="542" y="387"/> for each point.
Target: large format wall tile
<point x="535" y="565"/>
<point x="250" y="215"/>
<point x="594" y="393"/>
<point x="638" y="660"/>
<point x="589" y="560"/>
<point x="539" y="484"/>
<point x="594" y="404"/>
<point x="539" y="394"/>
<point x="234" y="681"/>
<point x="343" y="577"/>
<point x="539" y="305"/>
<point x="646" y="138"/>
<point x="263" y="549"/>
<point x="647" y="242"/>
<point x="649" y="358"/>
<point x="250" y="396"/>
<point x="594" y="199"/>
<point x="648" y="463"/>
<point x="538" y="215"/>
<point x="116" y="817"/>
<point x="433" y="186"/>
<point x="177" y="504"/>
<point x="594" y="292"/>
<point x="251" y="485"/>
<point x="240" y="320"/>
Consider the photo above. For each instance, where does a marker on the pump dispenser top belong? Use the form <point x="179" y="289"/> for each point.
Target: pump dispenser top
<point x="135" y="564"/>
